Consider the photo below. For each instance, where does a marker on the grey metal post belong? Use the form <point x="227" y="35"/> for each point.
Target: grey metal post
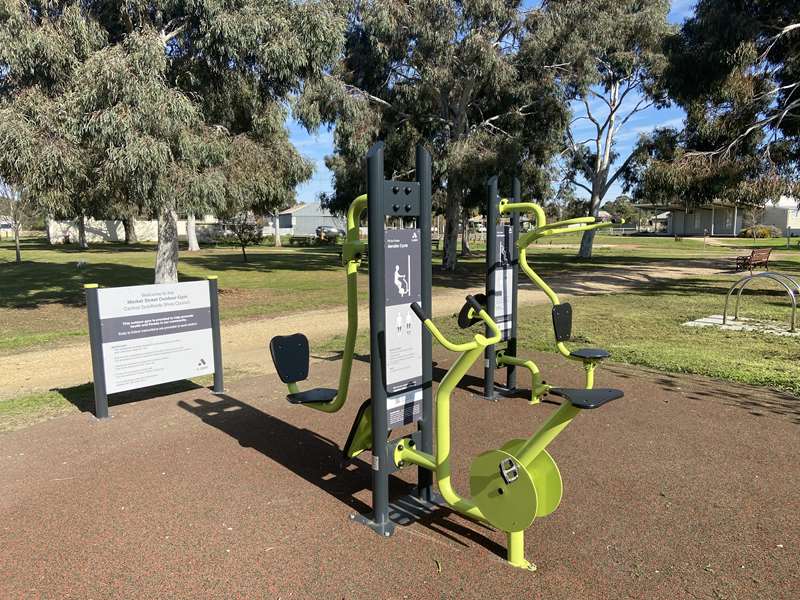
<point x="423" y="166"/>
<point x="511" y="347"/>
<point x="491" y="267"/>
<point x="377" y="336"/>
<point x="216" y="339"/>
<point x="96" y="345"/>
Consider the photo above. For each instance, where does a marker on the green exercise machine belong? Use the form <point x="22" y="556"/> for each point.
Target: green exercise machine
<point x="510" y="486"/>
<point x="506" y="253"/>
<point x="401" y="370"/>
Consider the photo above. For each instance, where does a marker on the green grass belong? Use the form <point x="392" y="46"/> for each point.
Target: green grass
<point x="645" y="328"/>
<point x="41" y="300"/>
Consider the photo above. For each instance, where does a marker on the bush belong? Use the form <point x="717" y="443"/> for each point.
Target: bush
<point x="761" y="231"/>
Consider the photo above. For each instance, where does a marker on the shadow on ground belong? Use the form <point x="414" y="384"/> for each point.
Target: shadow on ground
<point x="320" y="462"/>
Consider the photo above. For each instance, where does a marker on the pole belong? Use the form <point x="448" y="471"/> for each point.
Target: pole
<point x="96" y="345"/>
<point x="423" y="165"/>
<point x="377" y="326"/>
<point x="511" y="346"/>
<point x="491" y="267"/>
<point x="216" y="339"/>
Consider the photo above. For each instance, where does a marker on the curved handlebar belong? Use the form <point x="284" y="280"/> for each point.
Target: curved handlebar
<point x="479" y="340"/>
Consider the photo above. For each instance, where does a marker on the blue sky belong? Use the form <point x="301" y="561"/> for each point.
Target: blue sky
<point x="316" y="146"/>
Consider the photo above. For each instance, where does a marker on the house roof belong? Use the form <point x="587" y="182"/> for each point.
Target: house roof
<point x="293" y="209"/>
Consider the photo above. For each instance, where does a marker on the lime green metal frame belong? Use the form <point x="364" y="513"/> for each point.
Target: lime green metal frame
<point x="440" y="462"/>
<point x="351" y="257"/>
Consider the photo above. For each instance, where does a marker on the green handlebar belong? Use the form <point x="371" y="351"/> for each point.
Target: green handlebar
<point x="479" y="340"/>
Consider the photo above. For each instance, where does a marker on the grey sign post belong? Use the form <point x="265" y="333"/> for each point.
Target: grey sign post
<point x="136" y="333"/>
<point x="400" y="349"/>
<point x="502" y="274"/>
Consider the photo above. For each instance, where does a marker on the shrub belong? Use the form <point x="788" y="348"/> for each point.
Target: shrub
<point x="761" y="231"/>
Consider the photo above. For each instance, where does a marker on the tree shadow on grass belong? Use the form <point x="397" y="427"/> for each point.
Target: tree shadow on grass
<point x="29" y="285"/>
<point x="319" y="461"/>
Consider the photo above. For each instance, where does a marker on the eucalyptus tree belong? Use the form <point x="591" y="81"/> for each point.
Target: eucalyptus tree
<point x="159" y="103"/>
<point x="443" y="72"/>
<point x="735" y="69"/>
<point x="608" y="60"/>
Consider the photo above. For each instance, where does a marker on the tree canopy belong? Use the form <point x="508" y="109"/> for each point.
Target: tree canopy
<point x="446" y="73"/>
<point x="164" y="107"/>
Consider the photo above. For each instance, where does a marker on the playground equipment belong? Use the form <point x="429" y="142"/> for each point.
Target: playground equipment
<point x="401" y="369"/>
<point x="510" y="486"/>
<point x="291" y="354"/>
<point x="506" y="252"/>
<point x="516" y="483"/>
<point x="787" y="283"/>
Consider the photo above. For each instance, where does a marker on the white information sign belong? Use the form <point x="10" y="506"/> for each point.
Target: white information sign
<point x="154" y="334"/>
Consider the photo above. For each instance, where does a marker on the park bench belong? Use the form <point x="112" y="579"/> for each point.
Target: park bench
<point x="759" y="256"/>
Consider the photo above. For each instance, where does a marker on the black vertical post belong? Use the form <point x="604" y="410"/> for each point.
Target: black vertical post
<point x="511" y="347"/>
<point x="491" y="267"/>
<point x="96" y="345"/>
<point x="377" y="335"/>
<point x="216" y="340"/>
<point x="423" y="165"/>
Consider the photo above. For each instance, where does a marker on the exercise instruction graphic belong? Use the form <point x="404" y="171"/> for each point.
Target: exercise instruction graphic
<point x="403" y="328"/>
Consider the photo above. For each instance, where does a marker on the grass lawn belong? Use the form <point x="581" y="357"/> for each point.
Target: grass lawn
<point x="645" y="328"/>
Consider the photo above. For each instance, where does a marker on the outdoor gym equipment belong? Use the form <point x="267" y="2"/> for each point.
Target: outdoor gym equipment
<point x="401" y="369"/>
<point x="787" y="283"/>
<point x="291" y="353"/>
<point x="506" y="252"/>
<point x="516" y="483"/>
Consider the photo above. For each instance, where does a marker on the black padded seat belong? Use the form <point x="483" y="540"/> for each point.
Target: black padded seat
<point x="590" y="353"/>
<point x="314" y="395"/>
<point x="583" y="398"/>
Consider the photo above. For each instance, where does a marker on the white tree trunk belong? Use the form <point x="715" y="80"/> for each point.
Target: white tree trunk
<point x="191" y="233"/>
<point x="277" y="224"/>
<point x="82" y="232"/>
<point x="17" y="227"/>
<point x="167" y="251"/>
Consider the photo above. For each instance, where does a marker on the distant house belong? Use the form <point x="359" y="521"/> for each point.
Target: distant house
<point x="784" y="215"/>
<point x="303" y="219"/>
<point x="721" y="218"/>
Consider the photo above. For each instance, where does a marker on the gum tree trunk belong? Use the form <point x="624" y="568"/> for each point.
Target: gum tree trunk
<point x="276" y="223"/>
<point x="451" y="215"/>
<point x="191" y="233"/>
<point x="167" y="251"/>
<point x="82" y="232"/>
<point x="465" y="249"/>
<point x="587" y="240"/>
<point x="17" y="227"/>
<point x="129" y="224"/>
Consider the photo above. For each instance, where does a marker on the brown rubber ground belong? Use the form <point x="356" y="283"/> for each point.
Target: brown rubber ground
<point x="686" y="488"/>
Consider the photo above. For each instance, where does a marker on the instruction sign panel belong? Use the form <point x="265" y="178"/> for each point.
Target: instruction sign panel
<point x="154" y="334"/>
<point x="503" y="280"/>
<point x="403" y="365"/>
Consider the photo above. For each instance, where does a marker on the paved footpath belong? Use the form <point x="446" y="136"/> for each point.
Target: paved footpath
<point x="244" y="343"/>
<point x="685" y="488"/>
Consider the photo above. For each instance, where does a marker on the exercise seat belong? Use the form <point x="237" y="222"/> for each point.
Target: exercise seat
<point x="311" y="396"/>
<point x="586" y="399"/>
<point x="590" y="354"/>
<point x="290" y="354"/>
